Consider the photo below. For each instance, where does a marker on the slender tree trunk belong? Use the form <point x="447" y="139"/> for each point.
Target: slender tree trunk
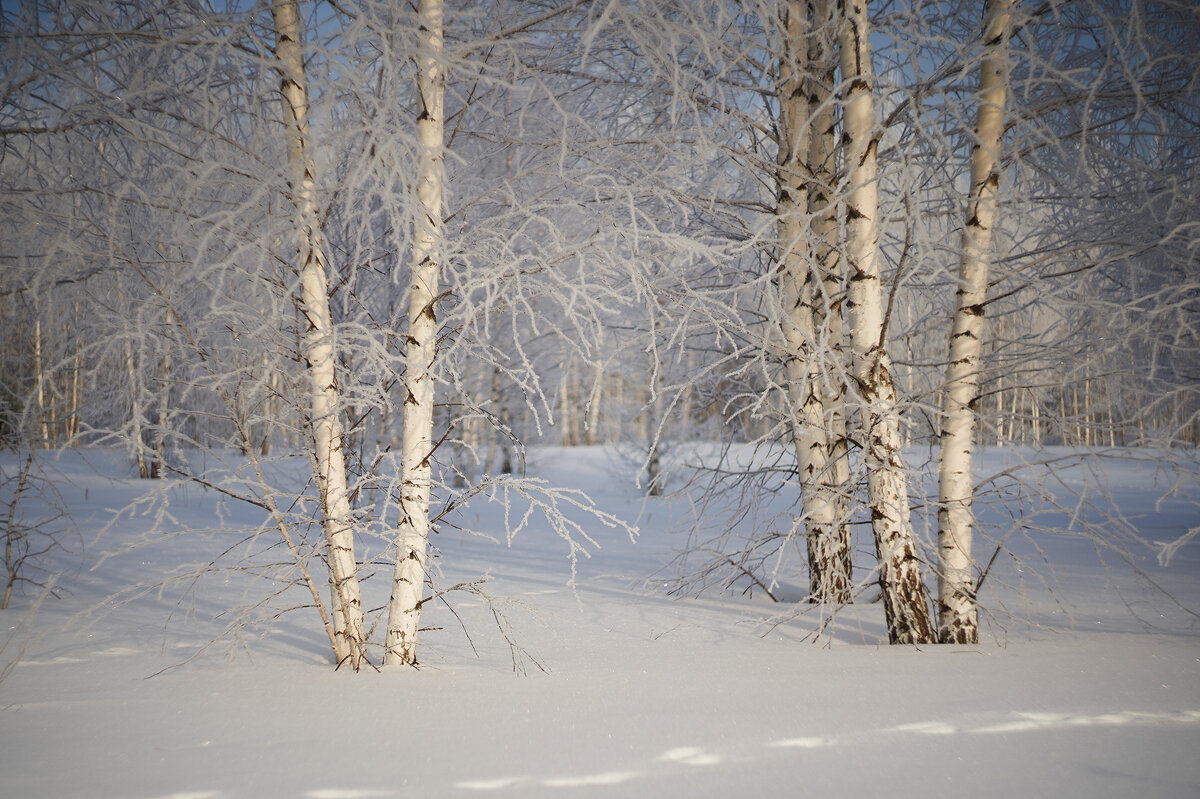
<point x="271" y="406"/>
<point x="643" y="418"/>
<point x="825" y="278"/>
<point x="652" y="416"/>
<point x="468" y="460"/>
<point x="408" y="581"/>
<point x="498" y="459"/>
<point x="1037" y="420"/>
<point x="795" y="292"/>
<point x="905" y="602"/>
<point x="1141" y="422"/>
<point x="578" y="411"/>
<point x="687" y="405"/>
<point x="593" y="406"/>
<point x="40" y="374"/>
<point x="999" y="411"/>
<point x="318" y="344"/>
<point x="654" y="476"/>
<point x="566" y="416"/>
<point x="1016" y="423"/>
<point x="1062" y="415"/>
<point x="160" y="430"/>
<point x="1091" y="418"/>
<point x="76" y="368"/>
<point x="135" y="410"/>
<point x="958" y="621"/>
<point x="804" y="310"/>
<point x="616" y="430"/>
<point x="1074" y="410"/>
<point x="1112" y="425"/>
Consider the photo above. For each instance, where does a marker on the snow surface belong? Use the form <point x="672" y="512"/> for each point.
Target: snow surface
<point x="1090" y="689"/>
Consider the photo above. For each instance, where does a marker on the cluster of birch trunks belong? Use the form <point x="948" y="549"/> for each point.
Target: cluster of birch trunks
<point x="711" y="196"/>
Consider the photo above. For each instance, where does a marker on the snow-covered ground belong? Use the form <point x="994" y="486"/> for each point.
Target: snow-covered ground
<point x="1091" y="689"/>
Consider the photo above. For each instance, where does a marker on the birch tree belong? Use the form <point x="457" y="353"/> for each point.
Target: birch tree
<point x="802" y="365"/>
<point x="319" y="344"/>
<point x="905" y="603"/>
<point x="408" y="580"/>
<point x="828" y="288"/>
<point x="810" y="294"/>
<point x="957" y="614"/>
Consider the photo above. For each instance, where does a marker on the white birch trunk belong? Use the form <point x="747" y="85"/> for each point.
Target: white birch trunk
<point x="39" y="373"/>
<point x="472" y="432"/>
<point x="958" y="621"/>
<point x="408" y="580"/>
<point x="318" y="346"/>
<point x="654" y="475"/>
<point x="904" y="598"/>
<point x="834" y="547"/>
<point x="272" y="403"/>
<point x="135" y="410"/>
<point x="688" y="403"/>
<point x="1037" y="420"/>
<point x="643" y="418"/>
<point x="564" y="403"/>
<point x="616" y="429"/>
<point x="76" y="368"/>
<point x="497" y="446"/>
<point x="593" y="407"/>
<point x="157" y="470"/>
<point x="801" y="288"/>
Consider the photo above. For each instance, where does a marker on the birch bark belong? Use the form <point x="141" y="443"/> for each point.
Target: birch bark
<point x="958" y="621"/>
<point x="408" y="580"/>
<point x="76" y="369"/>
<point x="40" y="374"/>
<point x="904" y="599"/>
<point x="825" y="278"/>
<point x="801" y="289"/>
<point x="318" y="347"/>
<point x="135" y="399"/>
<point x="160" y="431"/>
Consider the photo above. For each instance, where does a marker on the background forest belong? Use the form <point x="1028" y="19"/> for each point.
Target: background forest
<point x="765" y="249"/>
